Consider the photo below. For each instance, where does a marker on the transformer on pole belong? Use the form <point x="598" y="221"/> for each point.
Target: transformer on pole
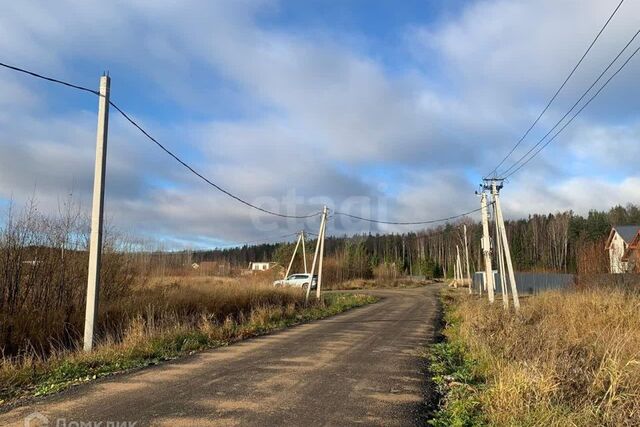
<point x="495" y="185"/>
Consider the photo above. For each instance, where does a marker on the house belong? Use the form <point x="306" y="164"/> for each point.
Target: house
<point x="631" y="255"/>
<point x="261" y="266"/>
<point x="620" y="237"/>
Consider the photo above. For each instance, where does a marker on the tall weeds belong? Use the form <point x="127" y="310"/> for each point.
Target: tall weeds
<point x="565" y="359"/>
<point x="43" y="273"/>
<point x="43" y="270"/>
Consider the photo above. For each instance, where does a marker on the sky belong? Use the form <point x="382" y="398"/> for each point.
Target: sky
<point x="385" y="109"/>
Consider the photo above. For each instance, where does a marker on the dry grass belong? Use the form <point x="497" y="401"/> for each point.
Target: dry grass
<point x="142" y="319"/>
<point x="379" y="283"/>
<point x="163" y="320"/>
<point x="566" y="359"/>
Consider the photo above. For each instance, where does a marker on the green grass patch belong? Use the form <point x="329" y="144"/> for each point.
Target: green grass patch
<point x="457" y="377"/>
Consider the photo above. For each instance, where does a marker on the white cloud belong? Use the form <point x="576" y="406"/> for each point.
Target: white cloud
<point x="310" y="111"/>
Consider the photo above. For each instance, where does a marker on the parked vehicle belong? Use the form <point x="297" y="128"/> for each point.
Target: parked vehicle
<point x="299" y="280"/>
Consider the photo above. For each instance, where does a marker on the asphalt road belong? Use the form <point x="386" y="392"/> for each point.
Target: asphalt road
<point x="358" y="368"/>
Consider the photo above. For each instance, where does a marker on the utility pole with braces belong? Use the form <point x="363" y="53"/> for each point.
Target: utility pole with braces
<point x="318" y="255"/>
<point x="495" y="185"/>
<point x="485" y="243"/>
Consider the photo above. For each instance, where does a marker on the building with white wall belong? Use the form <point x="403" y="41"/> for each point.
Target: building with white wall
<point x="261" y="266"/>
<point x="617" y="243"/>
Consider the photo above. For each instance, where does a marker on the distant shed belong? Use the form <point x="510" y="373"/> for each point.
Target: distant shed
<point x="261" y="266"/>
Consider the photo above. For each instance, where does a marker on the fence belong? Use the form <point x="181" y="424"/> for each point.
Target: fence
<point x="530" y="283"/>
<point x="625" y="281"/>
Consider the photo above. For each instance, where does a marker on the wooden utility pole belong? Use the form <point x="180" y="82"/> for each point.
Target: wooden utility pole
<point x="466" y="256"/>
<point x="486" y="247"/>
<point x="97" y="212"/>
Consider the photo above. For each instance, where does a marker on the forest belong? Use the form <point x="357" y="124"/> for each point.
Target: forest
<point x="556" y="242"/>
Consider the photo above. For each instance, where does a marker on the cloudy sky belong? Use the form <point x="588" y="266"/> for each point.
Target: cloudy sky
<point x="382" y="108"/>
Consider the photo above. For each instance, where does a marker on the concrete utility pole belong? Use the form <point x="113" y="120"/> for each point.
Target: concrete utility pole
<point x="325" y="212"/>
<point x="466" y="256"/>
<point x="455" y="271"/>
<point x="500" y="259"/>
<point x="454" y="282"/>
<point x="486" y="247"/>
<point x="97" y="211"/>
<point x="304" y="253"/>
<point x="315" y="255"/>
<point x="459" y="266"/>
<point x="293" y="256"/>
<point x="505" y="245"/>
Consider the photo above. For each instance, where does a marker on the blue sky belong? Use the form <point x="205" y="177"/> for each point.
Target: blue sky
<point x="383" y="108"/>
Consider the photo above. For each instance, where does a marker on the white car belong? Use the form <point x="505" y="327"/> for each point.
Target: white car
<point x="300" y="280"/>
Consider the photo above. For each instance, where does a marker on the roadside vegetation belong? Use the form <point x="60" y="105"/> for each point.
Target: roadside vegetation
<point x="150" y="309"/>
<point x="164" y="323"/>
<point x="382" y="283"/>
<point x="566" y="359"/>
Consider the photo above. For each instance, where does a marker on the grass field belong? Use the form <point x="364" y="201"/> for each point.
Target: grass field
<point x="162" y="320"/>
<point x="567" y="359"/>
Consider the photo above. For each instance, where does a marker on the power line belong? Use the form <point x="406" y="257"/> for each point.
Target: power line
<point x="202" y="177"/>
<point x="555" y="95"/>
<point x="613" y="61"/>
<point x="208" y="181"/>
<point x="50" y="79"/>
<point x="431" y="221"/>
<point x="428" y="233"/>
<point x="165" y="149"/>
<point x="573" y="117"/>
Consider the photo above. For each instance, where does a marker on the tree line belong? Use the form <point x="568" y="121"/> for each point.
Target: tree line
<point x="556" y="242"/>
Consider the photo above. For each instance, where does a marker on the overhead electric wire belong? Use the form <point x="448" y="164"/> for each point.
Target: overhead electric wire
<point x="165" y="149"/>
<point x="431" y="221"/>
<point x="555" y="95"/>
<point x="202" y="177"/>
<point x="40" y="76"/>
<point x="574" y="116"/>
<point x="208" y="181"/>
<point x="585" y="93"/>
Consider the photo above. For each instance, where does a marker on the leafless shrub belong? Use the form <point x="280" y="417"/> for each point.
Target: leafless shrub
<point x="43" y="279"/>
<point x="43" y="273"/>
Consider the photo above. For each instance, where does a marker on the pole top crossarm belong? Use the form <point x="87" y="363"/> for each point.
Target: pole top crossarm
<point x="489" y="183"/>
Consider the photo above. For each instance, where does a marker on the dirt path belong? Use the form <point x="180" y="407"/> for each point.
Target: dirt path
<point x="358" y="368"/>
